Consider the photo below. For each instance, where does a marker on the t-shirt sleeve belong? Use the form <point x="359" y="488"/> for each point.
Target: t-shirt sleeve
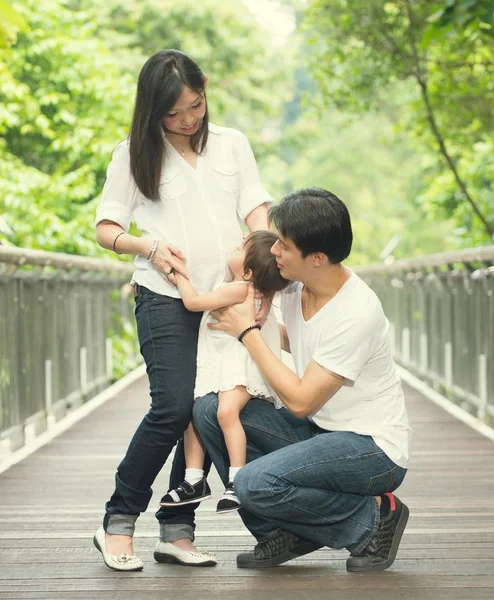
<point x="251" y="191"/>
<point x="346" y="346"/>
<point x="120" y="191"/>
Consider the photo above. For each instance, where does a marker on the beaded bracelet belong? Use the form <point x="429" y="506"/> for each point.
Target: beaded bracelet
<point x="241" y="336"/>
<point x="152" y="252"/>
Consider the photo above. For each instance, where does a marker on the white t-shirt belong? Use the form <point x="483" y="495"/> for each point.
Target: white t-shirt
<point x="350" y="336"/>
<point x="199" y="210"/>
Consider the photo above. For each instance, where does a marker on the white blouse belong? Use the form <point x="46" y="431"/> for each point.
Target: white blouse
<point x="199" y="210"/>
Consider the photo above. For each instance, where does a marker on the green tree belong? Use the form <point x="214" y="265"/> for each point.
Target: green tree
<point x="439" y="54"/>
<point x="66" y="94"/>
<point x="10" y="23"/>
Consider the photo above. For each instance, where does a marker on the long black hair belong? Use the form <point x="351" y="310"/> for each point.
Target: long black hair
<point x="160" y="84"/>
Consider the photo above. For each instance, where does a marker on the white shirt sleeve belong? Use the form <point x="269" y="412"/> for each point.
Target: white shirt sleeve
<point x="120" y="191"/>
<point x="251" y="191"/>
<point x="347" y="345"/>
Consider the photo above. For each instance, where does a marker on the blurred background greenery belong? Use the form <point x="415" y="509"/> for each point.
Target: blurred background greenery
<point x="387" y="104"/>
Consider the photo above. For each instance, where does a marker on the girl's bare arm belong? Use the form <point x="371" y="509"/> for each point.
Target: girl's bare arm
<point x="224" y="296"/>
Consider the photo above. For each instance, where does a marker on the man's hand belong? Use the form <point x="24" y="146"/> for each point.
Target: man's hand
<point x="235" y="319"/>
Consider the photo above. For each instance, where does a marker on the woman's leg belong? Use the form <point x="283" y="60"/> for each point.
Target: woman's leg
<point x="230" y="403"/>
<point x="168" y="339"/>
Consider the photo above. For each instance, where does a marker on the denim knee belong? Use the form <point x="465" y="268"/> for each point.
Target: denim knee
<point x="205" y="411"/>
<point x="250" y="486"/>
<point x="170" y="424"/>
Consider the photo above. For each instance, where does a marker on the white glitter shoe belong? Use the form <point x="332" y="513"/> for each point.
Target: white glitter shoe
<point x="124" y="562"/>
<point x="165" y="552"/>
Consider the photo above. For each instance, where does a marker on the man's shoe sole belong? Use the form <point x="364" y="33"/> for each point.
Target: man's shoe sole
<point x="249" y="562"/>
<point x="400" y="528"/>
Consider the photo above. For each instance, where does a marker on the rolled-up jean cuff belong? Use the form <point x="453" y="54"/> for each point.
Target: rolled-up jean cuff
<point x="120" y="524"/>
<point x="176" y="531"/>
<point x="358" y="548"/>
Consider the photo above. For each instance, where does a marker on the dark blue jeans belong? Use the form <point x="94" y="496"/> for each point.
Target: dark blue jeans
<point x="317" y="484"/>
<point x="168" y="335"/>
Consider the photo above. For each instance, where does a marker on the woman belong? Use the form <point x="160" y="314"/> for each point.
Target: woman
<point x="185" y="182"/>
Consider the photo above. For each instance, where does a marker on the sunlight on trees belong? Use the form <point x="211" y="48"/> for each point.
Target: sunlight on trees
<point x="388" y="104"/>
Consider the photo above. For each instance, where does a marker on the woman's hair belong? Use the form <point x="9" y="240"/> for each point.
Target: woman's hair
<point x="160" y="85"/>
<point x="258" y="258"/>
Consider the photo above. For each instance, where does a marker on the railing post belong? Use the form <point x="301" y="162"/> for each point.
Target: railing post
<point x="448" y="365"/>
<point x="50" y="417"/>
<point x="424" y="358"/>
<point x="109" y="358"/>
<point x="482" y="411"/>
<point x="405" y="345"/>
<point x="83" y="371"/>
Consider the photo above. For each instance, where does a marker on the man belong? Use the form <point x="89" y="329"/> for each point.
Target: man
<point x="325" y="466"/>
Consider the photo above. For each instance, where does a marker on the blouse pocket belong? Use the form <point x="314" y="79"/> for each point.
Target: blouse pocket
<point x="227" y="177"/>
<point x="172" y="183"/>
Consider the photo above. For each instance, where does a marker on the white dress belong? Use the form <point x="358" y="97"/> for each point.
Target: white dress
<point x="223" y="362"/>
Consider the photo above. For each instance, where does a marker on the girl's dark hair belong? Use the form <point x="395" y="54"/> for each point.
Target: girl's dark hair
<point x="258" y="258"/>
<point x="160" y="84"/>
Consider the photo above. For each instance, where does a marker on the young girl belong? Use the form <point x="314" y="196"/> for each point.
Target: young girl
<point x="224" y="365"/>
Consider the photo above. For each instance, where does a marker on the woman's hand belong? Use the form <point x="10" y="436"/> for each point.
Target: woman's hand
<point x="236" y="318"/>
<point x="168" y="259"/>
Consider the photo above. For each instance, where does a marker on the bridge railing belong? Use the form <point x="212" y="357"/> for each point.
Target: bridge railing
<point x="59" y="316"/>
<point x="441" y="309"/>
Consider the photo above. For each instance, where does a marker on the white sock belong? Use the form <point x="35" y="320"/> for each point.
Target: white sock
<point x="193" y="476"/>
<point x="232" y="472"/>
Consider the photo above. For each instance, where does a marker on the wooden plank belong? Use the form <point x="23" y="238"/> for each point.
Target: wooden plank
<point x="46" y="550"/>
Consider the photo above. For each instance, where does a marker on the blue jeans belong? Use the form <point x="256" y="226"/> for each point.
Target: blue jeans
<point x="168" y="340"/>
<point x="317" y="484"/>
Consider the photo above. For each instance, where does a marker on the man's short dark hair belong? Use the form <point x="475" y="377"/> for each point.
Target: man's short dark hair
<point x="316" y="221"/>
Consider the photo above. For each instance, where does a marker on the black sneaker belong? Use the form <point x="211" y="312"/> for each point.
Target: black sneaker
<point x="229" y="501"/>
<point x="187" y="494"/>
<point x="381" y="551"/>
<point x="285" y="546"/>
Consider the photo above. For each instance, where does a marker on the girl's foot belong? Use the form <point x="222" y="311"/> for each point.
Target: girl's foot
<point x="187" y="494"/>
<point x="229" y="501"/>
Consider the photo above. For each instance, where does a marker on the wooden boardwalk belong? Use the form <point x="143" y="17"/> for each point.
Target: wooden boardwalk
<point x="52" y="503"/>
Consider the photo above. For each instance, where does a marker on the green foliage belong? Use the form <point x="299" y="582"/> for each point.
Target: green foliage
<point x="66" y="95"/>
<point x="373" y="169"/>
<point x="430" y="65"/>
<point x="67" y="88"/>
<point x="10" y="23"/>
<point x="61" y="113"/>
